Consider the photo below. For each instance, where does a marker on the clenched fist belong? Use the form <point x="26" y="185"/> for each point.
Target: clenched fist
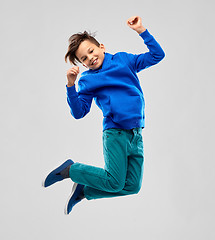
<point x="135" y="23"/>
<point x="72" y="74"/>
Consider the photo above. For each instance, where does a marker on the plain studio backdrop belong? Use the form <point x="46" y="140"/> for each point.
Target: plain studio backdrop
<point x="38" y="133"/>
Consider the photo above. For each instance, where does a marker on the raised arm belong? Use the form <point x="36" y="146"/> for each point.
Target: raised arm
<point x="79" y="102"/>
<point x="155" y="54"/>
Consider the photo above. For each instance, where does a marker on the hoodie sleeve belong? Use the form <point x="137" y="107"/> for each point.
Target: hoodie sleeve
<point x="144" y="60"/>
<point x="79" y="102"/>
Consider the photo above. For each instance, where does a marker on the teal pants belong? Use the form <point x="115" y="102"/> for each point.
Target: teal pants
<point x="123" y="171"/>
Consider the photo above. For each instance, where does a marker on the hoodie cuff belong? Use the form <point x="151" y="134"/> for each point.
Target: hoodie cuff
<point x="71" y="91"/>
<point x="145" y="35"/>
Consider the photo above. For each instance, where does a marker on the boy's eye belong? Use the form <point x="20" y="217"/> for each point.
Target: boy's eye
<point x="91" y="51"/>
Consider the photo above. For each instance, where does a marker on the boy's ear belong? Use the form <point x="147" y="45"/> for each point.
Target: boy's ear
<point x="102" y="46"/>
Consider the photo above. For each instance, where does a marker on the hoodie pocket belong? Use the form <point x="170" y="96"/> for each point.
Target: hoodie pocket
<point x="125" y="108"/>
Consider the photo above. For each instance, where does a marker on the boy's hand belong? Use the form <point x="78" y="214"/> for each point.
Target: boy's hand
<point x="72" y="74"/>
<point x="135" y="23"/>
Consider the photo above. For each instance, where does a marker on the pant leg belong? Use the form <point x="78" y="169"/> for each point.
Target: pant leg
<point x="135" y="165"/>
<point x="134" y="172"/>
<point x="110" y="179"/>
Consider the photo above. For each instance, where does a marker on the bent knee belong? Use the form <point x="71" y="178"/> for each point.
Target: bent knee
<point x="135" y="188"/>
<point x="116" y="185"/>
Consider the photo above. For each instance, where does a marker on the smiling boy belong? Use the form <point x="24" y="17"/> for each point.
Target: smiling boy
<point x="112" y="81"/>
<point x="91" y="55"/>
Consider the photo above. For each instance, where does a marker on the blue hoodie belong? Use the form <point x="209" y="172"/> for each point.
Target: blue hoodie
<point x="115" y="87"/>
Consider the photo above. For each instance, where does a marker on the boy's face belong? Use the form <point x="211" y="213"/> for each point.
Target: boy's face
<point x="90" y="55"/>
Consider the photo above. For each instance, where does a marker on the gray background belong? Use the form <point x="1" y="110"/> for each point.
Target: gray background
<point x="38" y="132"/>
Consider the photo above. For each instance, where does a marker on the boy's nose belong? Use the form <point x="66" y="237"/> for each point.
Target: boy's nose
<point x="91" y="59"/>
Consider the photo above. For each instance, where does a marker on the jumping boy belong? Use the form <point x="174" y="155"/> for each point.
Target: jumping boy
<point x="111" y="80"/>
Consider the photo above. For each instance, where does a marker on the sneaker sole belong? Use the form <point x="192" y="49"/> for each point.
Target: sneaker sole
<point x="73" y="190"/>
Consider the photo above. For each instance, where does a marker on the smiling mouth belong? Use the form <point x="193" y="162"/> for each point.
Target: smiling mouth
<point x="95" y="61"/>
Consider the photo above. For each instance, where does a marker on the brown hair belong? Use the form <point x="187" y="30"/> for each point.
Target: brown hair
<point x="74" y="41"/>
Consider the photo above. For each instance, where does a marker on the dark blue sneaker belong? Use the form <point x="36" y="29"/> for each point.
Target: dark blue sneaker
<point x="75" y="197"/>
<point x="55" y="175"/>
